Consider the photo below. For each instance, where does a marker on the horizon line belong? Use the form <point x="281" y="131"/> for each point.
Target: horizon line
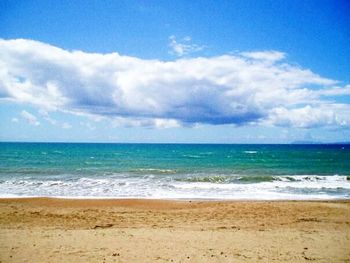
<point x="189" y="143"/>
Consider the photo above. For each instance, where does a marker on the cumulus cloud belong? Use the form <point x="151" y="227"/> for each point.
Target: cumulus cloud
<point x="183" y="47"/>
<point x="245" y="88"/>
<point x="336" y="115"/>
<point x="32" y="120"/>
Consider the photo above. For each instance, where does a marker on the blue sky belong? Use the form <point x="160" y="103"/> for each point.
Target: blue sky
<point x="175" y="71"/>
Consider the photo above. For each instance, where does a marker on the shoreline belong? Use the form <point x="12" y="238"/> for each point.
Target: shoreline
<point x="117" y="199"/>
<point x="103" y="198"/>
<point x="153" y="230"/>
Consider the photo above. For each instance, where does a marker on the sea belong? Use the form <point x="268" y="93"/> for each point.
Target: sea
<point x="175" y="171"/>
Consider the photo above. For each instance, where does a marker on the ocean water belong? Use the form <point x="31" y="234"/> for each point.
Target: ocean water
<point x="175" y="171"/>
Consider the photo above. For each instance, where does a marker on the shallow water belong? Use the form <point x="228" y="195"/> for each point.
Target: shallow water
<point x="189" y="171"/>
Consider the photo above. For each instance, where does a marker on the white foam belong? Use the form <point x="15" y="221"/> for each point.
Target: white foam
<point x="165" y="187"/>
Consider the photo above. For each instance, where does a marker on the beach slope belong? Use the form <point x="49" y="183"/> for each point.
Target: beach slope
<point x="62" y="230"/>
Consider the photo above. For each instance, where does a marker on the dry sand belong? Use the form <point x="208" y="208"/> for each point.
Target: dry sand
<point x="59" y="230"/>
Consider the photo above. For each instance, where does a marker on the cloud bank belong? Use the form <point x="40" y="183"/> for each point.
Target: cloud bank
<point x="241" y="89"/>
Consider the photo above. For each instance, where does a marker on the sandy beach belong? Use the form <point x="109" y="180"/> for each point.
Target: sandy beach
<point x="62" y="230"/>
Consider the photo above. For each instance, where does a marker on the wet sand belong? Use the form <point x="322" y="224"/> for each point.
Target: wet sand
<point x="62" y="230"/>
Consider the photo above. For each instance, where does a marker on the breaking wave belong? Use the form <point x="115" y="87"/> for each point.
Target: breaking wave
<point x="173" y="186"/>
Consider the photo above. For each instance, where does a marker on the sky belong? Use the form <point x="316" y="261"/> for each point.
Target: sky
<point x="175" y="71"/>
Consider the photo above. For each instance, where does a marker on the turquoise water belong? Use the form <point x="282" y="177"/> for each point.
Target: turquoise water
<point x="175" y="171"/>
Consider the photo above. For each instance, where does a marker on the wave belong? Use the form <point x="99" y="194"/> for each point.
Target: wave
<point x="191" y="156"/>
<point x="251" y="152"/>
<point x="154" y="171"/>
<point x="257" y="178"/>
<point x="228" y="179"/>
<point x="204" y="179"/>
<point x="181" y="187"/>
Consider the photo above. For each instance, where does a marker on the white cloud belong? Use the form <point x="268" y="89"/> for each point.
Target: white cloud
<point x="146" y="122"/>
<point x="51" y="121"/>
<point x="331" y="115"/>
<point x="32" y="120"/>
<point x="183" y="47"/>
<point x="14" y="120"/>
<point x="46" y="116"/>
<point x="335" y="91"/>
<point x="265" y="55"/>
<point x="246" y="88"/>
